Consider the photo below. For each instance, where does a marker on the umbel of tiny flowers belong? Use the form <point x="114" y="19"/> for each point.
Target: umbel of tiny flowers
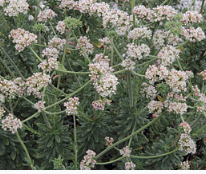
<point x="71" y="106"/>
<point x="187" y="144"/>
<point x="11" y="123"/>
<point x="88" y="161"/>
<point x="40" y="106"/>
<point x="125" y="152"/>
<point x="129" y="166"/>
<point x="109" y="141"/>
<point x="72" y="23"/>
<point x="184" y="128"/>
<point x="184" y="165"/>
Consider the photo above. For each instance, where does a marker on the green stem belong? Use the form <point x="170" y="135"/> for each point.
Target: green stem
<point x="155" y="156"/>
<point x="37" y="10"/>
<point x="8" y="69"/>
<point x="110" y="162"/>
<point x="52" y="28"/>
<point x="118" y="72"/>
<point x="34" y="115"/>
<point x="54" y="113"/>
<point x="203" y="2"/>
<point x="72" y="72"/>
<point x="133" y="72"/>
<point x="15" y="67"/>
<point x="70" y="95"/>
<point x="75" y="144"/>
<point x="46" y="120"/>
<point x="25" y="149"/>
<point x="115" y="49"/>
<point x="128" y="137"/>
<point x="129" y="82"/>
<point x="35" y="54"/>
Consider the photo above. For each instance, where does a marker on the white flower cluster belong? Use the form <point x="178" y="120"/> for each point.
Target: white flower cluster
<point x="11" y="123"/>
<point x="40" y="106"/>
<point x="51" y="53"/>
<point x="105" y="43"/>
<point x="104" y="82"/>
<point x="176" y="107"/>
<point x="138" y="52"/>
<point x="88" y="161"/>
<point x="142" y="12"/>
<point x="148" y="91"/>
<point x="2" y="111"/>
<point x="177" y="80"/>
<point x="187" y="144"/>
<point x="57" y="43"/>
<point x="109" y="141"/>
<point x="193" y="34"/>
<point x="99" y="8"/>
<point x="71" y="106"/>
<point x="184" y="165"/>
<point x="161" y="13"/>
<point x="185" y="127"/>
<point x="128" y="64"/>
<point x="125" y="151"/>
<point x="86" y="45"/>
<point x="100" y="104"/>
<point x="154" y="73"/>
<point x="46" y="15"/>
<point x="67" y="4"/>
<point x="15" y="7"/>
<point x="129" y="166"/>
<point x="162" y="38"/>
<point x="138" y="33"/>
<point x="168" y="55"/>
<point x="191" y="17"/>
<point x="61" y="27"/>
<point x="48" y="65"/>
<point x="84" y="5"/>
<point x="22" y="38"/>
<point x="203" y="75"/>
<point x="9" y="89"/>
<point x="175" y="103"/>
<point x="155" y="107"/>
<point x="157" y="14"/>
<point x="36" y="83"/>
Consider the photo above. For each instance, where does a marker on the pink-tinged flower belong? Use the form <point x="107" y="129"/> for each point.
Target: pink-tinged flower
<point x="86" y="45"/>
<point x="100" y="104"/>
<point x="71" y="106"/>
<point x="184" y="165"/>
<point x="40" y="106"/>
<point x="88" y="161"/>
<point x="15" y="7"/>
<point x="61" y="27"/>
<point x="187" y="144"/>
<point x="11" y="123"/>
<point x="192" y="34"/>
<point x="185" y="127"/>
<point x="191" y="17"/>
<point x="125" y="151"/>
<point x="109" y="141"/>
<point x="22" y="38"/>
<point x="129" y="166"/>
<point x="46" y="15"/>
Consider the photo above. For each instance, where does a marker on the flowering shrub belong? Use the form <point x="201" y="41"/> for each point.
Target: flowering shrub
<point x="89" y="84"/>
